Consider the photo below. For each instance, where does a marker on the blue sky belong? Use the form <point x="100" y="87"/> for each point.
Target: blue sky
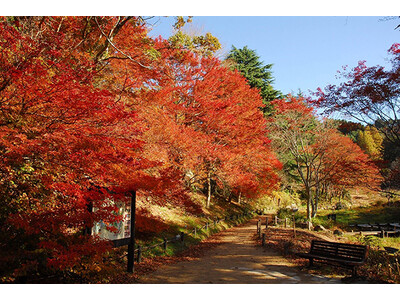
<point x="306" y="52"/>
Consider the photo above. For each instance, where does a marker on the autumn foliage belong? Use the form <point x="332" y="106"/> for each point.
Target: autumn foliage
<point x="319" y="155"/>
<point x="92" y="108"/>
<point x="370" y="95"/>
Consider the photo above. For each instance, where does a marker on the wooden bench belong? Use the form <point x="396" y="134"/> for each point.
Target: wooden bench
<point x="346" y="255"/>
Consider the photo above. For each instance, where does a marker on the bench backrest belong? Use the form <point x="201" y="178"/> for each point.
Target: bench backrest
<point x="343" y="251"/>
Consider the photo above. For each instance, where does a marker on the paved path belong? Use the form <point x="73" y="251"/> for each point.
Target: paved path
<point x="236" y="260"/>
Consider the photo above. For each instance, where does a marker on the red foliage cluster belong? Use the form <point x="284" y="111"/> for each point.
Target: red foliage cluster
<point x="323" y="158"/>
<point x="93" y="108"/>
<point x="369" y="95"/>
<point x="327" y="154"/>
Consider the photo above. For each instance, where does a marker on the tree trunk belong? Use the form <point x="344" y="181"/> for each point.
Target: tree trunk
<point x="209" y="190"/>
<point x="309" y="202"/>
<point x="314" y="208"/>
<point x="315" y="204"/>
<point x="317" y="193"/>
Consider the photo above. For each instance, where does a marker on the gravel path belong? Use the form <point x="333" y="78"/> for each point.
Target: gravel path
<point x="237" y="259"/>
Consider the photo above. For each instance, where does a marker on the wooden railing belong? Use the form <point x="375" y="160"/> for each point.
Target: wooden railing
<point x="276" y="222"/>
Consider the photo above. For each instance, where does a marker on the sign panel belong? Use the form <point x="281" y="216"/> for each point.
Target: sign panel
<point x="123" y="227"/>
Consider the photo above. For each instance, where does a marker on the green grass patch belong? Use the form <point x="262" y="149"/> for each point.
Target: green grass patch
<point x="359" y="215"/>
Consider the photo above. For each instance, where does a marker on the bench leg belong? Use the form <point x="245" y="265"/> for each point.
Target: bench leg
<point x="311" y="262"/>
<point x="354" y="272"/>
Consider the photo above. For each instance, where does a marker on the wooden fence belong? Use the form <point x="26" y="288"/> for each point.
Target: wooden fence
<point x="286" y="222"/>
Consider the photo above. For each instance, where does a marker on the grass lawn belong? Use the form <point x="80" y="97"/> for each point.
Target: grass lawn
<point x="360" y="215"/>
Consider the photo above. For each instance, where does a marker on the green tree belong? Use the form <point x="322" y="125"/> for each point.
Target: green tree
<point x="258" y="74"/>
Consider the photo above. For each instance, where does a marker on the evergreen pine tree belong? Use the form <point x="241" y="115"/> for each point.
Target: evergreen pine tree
<point x="258" y="75"/>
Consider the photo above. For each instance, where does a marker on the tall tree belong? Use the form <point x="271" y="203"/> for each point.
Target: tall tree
<point x="71" y="142"/>
<point x="258" y="74"/>
<point x="216" y="125"/>
<point x="92" y="108"/>
<point x="321" y="155"/>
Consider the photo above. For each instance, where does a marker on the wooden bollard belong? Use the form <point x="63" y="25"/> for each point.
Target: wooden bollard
<point x="263" y="239"/>
<point x="276" y="220"/>
<point x="139" y="254"/>
<point x="165" y="244"/>
<point x="294" y="227"/>
<point x="266" y="223"/>
<point x="382" y="233"/>
<point x="285" y="222"/>
<point x="182" y="238"/>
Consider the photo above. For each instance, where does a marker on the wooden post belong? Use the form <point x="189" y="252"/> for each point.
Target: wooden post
<point x="263" y="239"/>
<point x="207" y="226"/>
<point x="285" y="222"/>
<point x="183" y="238"/>
<point x="139" y="254"/>
<point x="266" y="223"/>
<point x="382" y="233"/>
<point x="276" y="220"/>
<point x="165" y="244"/>
<point x="88" y="229"/>
<point x="195" y="232"/>
<point x="294" y="227"/>
<point x="131" y="245"/>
